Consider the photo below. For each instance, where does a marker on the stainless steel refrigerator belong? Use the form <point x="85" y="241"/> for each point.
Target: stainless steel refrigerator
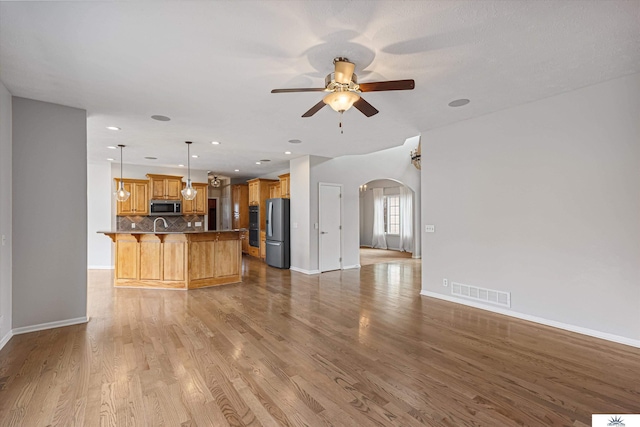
<point x="278" y="253"/>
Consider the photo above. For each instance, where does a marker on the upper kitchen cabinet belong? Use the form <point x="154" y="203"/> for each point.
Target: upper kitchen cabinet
<point x="274" y="190"/>
<point x="284" y="185"/>
<point x="197" y="206"/>
<point x="254" y="192"/>
<point x="258" y="195"/>
<point x="138" y="201"/>
<point x="240" y="205"/>
<point x="165" y="187"/>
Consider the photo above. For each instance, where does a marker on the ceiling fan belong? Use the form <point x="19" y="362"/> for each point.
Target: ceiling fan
<point x="344" y="90"/>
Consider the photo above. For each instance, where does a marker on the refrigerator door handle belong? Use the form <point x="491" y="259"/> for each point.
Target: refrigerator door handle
<point x="270" y="220"/>
<point x="274" y="243"/>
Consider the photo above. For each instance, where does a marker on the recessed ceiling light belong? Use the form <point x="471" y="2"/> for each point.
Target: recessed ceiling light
<point x="151" y="158"/>
<point x="294" y="141"/>
<point x="459" y="102"/>
<point x="215" y="142"/>
<point x="236" y="170"/>
<point x="265" y="160"/>
<point x="195" y="156"/>
<point x="181" y="166"/>
<point x="287" y="152"/>
<point x="257" y="163"/>
<point x="113" y="128"/>
<point x="112" y="147"/>
<point x="110" y="159"/>
<point x="160" y="118"/>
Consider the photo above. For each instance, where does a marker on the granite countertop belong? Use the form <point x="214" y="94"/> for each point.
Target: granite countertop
<point x="134" y="231"/>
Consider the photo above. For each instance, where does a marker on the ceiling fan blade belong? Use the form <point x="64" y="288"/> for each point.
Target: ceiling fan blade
<point x="302" y="89"/>
<point x="388" y="85"/>
<point x="365" y="108"/>
<point x="344" y="71"/>
<point x="314" y="109"/>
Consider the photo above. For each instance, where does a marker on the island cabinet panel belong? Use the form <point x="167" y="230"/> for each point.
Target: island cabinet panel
<point x="201" y="261"/>
<point x="127" y="262"/>
<point x="151" y="259"/>
<point x="174" y="260"/>
<point x="177" y="260"/>
<point x="226" y="258"/>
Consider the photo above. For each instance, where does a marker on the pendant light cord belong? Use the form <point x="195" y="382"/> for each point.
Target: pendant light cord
<point x="121" y="183"/>
<point x="189" y="162"/>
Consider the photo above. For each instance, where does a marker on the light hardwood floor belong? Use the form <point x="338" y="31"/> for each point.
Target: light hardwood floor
<point x="370" y="256"/>
<point x="351" y="348"/>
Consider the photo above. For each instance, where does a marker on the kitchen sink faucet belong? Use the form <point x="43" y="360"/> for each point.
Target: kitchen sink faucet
<point x="155" y="222"/>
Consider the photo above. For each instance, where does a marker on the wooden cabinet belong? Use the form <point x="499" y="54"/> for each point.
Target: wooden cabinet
<point x="285" y="185"/>
<point x="138" y="201"/>
<point x="274" y="190"/>
<point x="165" y="187"/>
<point x="175" y="260"/>
<point x="244" y="237"/>
<point x="254" y="252"/>
<point x="254" y="192"/>
<point x="240" y="206"/>
<point x="263" y="245"/>
<point x="258" y="194"/>
<point x="199" y="205"/>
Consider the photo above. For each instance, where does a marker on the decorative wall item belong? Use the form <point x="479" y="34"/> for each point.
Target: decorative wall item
<point x="416" y="155"/>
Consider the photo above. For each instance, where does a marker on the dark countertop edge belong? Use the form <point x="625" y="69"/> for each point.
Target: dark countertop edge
<point x="169" y="232"/>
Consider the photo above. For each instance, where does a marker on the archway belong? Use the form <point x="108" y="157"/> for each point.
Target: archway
<point x="386" y="221"/>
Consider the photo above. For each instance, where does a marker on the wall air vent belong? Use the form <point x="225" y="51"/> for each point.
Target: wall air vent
<point x="481" y="294"/>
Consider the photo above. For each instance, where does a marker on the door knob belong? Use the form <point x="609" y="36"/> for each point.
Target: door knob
<point x="324" y="232"/>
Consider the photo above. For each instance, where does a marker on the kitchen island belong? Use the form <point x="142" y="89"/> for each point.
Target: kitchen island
<point x="176" y="260"/>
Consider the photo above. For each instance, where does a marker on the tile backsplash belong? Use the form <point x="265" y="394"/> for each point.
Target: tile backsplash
<point x="145" y="223"/>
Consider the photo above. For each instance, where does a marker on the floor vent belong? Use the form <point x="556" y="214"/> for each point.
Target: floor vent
<point x="481" y="294"/>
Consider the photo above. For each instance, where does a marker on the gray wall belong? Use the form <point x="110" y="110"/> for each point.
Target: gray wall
<point x="5" y="214"/>
<point x="99" y="215"/>
<point x="49" y="213"/>
<point x="300" y="222"/>
<point x="542" y="200"/>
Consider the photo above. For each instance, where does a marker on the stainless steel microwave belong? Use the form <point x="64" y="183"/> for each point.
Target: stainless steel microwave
<point x="165" y="207"/>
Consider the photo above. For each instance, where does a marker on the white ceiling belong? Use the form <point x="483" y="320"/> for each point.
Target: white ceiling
<point x="210" y="66"/>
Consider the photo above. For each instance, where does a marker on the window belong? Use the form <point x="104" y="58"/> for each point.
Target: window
<point x="392" y="214"/>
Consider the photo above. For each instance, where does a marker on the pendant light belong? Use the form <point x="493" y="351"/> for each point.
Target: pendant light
<point x="189" y="193"/>
<point x="121" y="195"/>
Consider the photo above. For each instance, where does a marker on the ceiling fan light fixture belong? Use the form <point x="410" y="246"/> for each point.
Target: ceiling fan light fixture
<point x="341" y="101"/>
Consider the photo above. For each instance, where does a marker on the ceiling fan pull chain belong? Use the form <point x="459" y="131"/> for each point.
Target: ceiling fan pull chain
<point x="340" y="125"/>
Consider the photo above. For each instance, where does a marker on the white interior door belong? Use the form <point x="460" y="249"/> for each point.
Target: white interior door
<point x="330" y="213"/>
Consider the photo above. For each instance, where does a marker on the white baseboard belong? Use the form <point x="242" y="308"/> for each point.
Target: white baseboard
<point x="49" y="325"/>
<point x="100" y="267"/>
<point x="303" y="271"/>
<point x="349" y="267"/>
<point x="5" y="339"/>
<point x="567" y="327"/>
